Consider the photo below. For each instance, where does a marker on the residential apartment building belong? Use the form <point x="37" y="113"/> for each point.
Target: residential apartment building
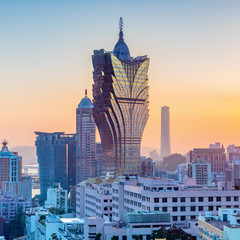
<point x="201" y="171"/>
<point x="10" y="203"/>
<point x="94" y="200"/>
<point x="56" y="197"/>
<point x="214" y="155"/>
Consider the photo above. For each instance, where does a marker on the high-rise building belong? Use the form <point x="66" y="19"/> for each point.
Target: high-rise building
<point x="165" y="132"/>
<point x="10" y="171"/>
<point x="215" y="156"/>
<point x="56" y="154"/>
<point x="201" y="171"/>
<point x="86" y="145"/>
<point x="120" y="93"/>
<point x="99" y="157"/>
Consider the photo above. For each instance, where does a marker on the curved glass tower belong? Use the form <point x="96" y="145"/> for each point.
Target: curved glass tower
<point x="120" y="98"/>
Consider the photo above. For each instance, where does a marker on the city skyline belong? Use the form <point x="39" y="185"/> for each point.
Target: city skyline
<point x="194" y="66"/>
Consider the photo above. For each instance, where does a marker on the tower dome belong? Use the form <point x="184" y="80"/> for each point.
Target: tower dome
<point x="85" y="102"/>
<point x="121" y="50"/>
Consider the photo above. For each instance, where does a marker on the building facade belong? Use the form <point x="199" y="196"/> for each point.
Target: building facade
<point x="56" y="197"/>
<point x="201" y="171"/>
<point x="215" y="156"/>
<point x="165" y="132"/>
<point x="183" y="202"/>
<point x="56" y="154"/>
<point x="10" y="171"/>
<point x="120" y="93"/>
<point x="86" y="148"/>
<point x="94" y="200"/>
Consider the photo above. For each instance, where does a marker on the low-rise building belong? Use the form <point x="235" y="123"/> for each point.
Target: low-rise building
<point x="224" y="226"/>
<point x="56" y="197"/>
<point x="94" y="200"/>
<point x="132" y="223"/>
<point x="183" y="202"/>
<point x="10" y="204"/>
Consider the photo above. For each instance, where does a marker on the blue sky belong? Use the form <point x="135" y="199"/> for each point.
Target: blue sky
<point x="45" y="59"/>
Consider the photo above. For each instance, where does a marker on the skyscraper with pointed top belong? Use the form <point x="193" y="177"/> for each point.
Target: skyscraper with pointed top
<point x="120" y="98"/>
<point x="85" y="137"/>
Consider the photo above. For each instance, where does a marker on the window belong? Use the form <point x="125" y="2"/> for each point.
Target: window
<point x="200" y="199"/>
<point x="193" y="217"/>
<point x="210" y="199"/>
<point x="105" y="200"/>
<point x="218" y="199"/>
<point x="236" y="198"/>
<point x="228" y="199"/>
<point x="156" y="208"/>
<point x="174" y="199"/>
<point x="183" y="218"/>
<point x="217" y="207"/>
<point x="183" y="209"/>
<point x="164" y="209"/>
<point x="174" y="209"/>
<point x="200" y="208"/>
<point x="193" y="208"/>
<point x="164" y="200"/>
<point x="210" y="208"/>
<point x="105" y="209"/>
<point x="192" y="199"/>
<point x="182" y="199"/>
<point x="174" y="218"/>
<point x="156" y="200"/>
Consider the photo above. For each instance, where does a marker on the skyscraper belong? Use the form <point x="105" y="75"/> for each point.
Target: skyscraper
<point x="11" y="179"/>
<point x="10" y="171"/>
<point x="165" y="132"/>
<point x="56" y="154"/>
<point x="86" y="146"/>
<point x="120" y="93"/>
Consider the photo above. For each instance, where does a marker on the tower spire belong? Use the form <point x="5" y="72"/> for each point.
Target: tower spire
<point x="121" y="30"/>
<point x="85" y="92"/>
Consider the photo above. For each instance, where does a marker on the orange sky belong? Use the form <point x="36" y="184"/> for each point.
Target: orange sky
<point x="194" y="67"/>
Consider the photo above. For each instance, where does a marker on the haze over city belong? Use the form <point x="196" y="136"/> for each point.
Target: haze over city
<point x="45" y="57"/>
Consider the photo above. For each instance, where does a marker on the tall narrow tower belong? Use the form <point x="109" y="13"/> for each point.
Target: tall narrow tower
<point x="165" y="132"/>
<point x="120" y="93"/>
<point x="86" y="149"/>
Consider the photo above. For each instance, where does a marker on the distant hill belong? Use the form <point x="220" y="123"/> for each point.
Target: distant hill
<point x="28" y="154"/>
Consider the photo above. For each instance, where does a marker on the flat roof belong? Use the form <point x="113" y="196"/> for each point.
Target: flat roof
<point x="72" y="220"/>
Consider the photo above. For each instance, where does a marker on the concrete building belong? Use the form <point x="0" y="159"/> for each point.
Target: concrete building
<point x="147" y="167"/>
<point x="25" y="188"/>
<point x="224" y="226"/>
<point x="132" y="223"/>
<point x="86" y="148"/>
<point x="10" y="171"/>
<point x="42" y="225"/>
<point x="165" y="132"/>
<point x="94" y="200"/>
<point x="56" y="197"/>
<point x="215" y="156"/>
<point x="201" y="171"/>
<point x="183" y="202"/>
<point x="181" y="172"/>
<point x="10" y="203"/>
<point x="233" y="152"/>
